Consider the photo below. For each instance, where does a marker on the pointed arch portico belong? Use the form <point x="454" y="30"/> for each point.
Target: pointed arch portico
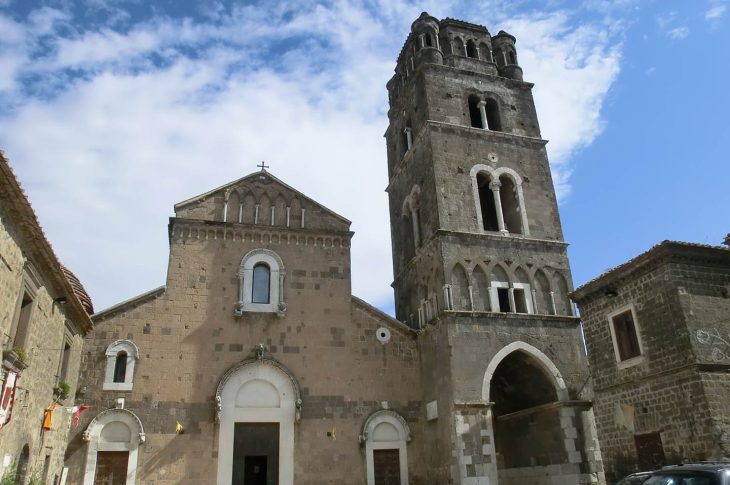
<point x="259" y="390"/>
<point x="534" y="352"/>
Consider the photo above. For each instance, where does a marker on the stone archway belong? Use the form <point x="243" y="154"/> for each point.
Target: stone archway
<point x="258" y="403"/>
<point x="532" y="427"/>
<point x="386" y="434"/>
<point x="114" y="437"/>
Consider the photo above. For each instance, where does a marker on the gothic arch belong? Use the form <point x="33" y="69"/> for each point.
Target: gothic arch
<point x="264" y="210"/>
<point x="480" y="288"/>
<point x="460" y="288"/>
<point x="279" y="210"/>
<point x="519" y="346"/>
<point x="232" y="207"/>
<point x="543" y="299"/>
<point x="457" y="47"/>
<point x="259" y="390"/>
<point x="500" y="271"/>
<point x="561" y="289"/>
<point x="522" y="291"/>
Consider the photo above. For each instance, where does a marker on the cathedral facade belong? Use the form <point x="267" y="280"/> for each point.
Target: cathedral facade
<point x="255" y="364"/>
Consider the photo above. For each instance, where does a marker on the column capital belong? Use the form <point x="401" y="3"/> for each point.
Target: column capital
<point x="494" y="185"/>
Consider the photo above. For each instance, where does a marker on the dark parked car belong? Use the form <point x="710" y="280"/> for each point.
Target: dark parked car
<point x="687" y="474"/>
<point x="635" y="479"/>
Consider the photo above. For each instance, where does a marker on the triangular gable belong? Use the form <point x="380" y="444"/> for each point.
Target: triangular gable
<point x="184" y="208"/>
<point x="384" y="318"/>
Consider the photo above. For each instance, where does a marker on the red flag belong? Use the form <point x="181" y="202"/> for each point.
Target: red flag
<point x="77" y="414"/>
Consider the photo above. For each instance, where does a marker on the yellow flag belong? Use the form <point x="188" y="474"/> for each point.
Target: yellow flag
<point x="179" y="428"/>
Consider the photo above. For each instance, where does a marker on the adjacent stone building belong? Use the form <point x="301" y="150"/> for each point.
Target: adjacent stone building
<point x="658" y="335"/>
<point x="44" y="311"/>
<point x="255" y="364"/>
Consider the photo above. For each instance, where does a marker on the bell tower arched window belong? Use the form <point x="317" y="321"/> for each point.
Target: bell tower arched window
<point x="486" y="203"/>
<point x="474" y="113"/>
<point x="508" y="202"/>
<point x="510" y="205"/>
<point x="471" y="49"/>
<point x="491" y="109"/>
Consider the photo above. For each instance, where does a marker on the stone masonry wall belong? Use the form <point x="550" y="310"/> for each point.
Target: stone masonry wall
<point x="188" y="337"/>
<point x="44" y="343"/>
<point x="677" y="387"/>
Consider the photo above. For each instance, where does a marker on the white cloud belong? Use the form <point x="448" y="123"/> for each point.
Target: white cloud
<point x="678" y="33"/>
<point x="715" y="13"/>
<point x="108" y="155"/>
<point x="575" y="69"/>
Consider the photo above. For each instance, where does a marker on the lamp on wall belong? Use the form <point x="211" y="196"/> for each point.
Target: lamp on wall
<point x="610" y="292"/>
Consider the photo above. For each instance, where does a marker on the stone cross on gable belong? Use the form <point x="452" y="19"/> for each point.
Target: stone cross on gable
<point x="263" y="166"/>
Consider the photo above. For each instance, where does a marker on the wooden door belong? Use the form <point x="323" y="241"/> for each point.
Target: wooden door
<point x="111" y="468"/>
<point x="649" y="451"/>
<point x="386" y="464"/>
<point x="255" y="472"/>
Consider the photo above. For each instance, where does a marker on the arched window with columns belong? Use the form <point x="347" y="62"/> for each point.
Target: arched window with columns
<point x="261" y="283"/>
<point x="471" y="49"/>
<point x="508" y="201"/>
<point x="510" y="205"/>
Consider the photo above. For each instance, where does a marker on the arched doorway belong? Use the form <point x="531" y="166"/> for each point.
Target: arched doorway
<point x="258" y="403"/>
<point x="114" y="437"/>
<point x="21" y="472"/>
<point x="528" y="414"/>
<point x="385" y="434"/>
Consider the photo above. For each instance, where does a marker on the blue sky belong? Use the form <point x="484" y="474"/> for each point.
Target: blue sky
<point x="113" y="110"/>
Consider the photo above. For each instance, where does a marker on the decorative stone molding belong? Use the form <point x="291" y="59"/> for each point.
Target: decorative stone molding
<point x="277" y="273"/>
<point x="260" y="358"/>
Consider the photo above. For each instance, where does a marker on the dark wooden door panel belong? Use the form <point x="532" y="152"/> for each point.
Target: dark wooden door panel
<point x="386" y="464"/>
<point x="649" y="451"/>
<point x="111" y="468"/>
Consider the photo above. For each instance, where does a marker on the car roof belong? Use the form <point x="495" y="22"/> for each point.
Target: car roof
<point x="713" y="466"/>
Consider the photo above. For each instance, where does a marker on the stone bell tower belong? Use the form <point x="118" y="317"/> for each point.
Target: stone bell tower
<point x="480" y="264"/>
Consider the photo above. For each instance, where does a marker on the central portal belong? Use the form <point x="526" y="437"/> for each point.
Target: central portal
<point x="256" y="454"/>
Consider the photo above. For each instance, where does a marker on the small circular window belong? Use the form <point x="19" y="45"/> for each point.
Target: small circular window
<point x="383" y="335"/>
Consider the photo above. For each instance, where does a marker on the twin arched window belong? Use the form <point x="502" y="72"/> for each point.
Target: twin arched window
<point x="261" y="283"/>
<point x="484" y="113"/>
<point x="121" y="357"/>
<point x="499" y="200"/>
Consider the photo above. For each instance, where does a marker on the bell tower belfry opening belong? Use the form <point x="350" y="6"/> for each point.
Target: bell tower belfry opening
<point x="480" y="264"/>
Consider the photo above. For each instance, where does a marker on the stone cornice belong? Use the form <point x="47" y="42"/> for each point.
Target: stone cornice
<point x="501" y="136"/>
<point x="515" y="240"/>
<point x="186" y="229"/>
<point x="661" y="253"/>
